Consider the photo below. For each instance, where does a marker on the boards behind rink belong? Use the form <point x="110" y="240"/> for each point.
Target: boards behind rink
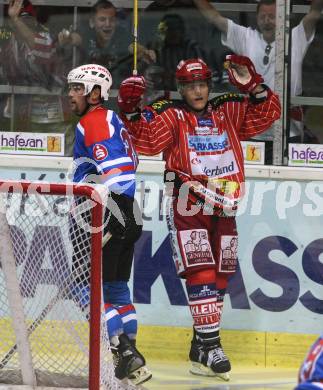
<point x="52" y="326"/>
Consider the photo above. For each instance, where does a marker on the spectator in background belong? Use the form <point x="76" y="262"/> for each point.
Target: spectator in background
<point x="310" y="375"/>
<point x="197" y="29"/>
<point x="313" y="81"/>
<point x="259" y="45"/>
<point x="103" y="41"/>
<point x="313" y="65"/>
<point x="155" y="87"/>
<point x="153" y="13"/>
<point x="28" y="57"/>
<point x="172" y="45"/>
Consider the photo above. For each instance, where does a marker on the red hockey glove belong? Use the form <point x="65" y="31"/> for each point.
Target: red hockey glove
<point x="130" y="93"/>
<point x="242" y="73"/>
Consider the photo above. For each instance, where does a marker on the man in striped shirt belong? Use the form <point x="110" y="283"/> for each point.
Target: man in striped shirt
<point x="200" y="140"/>
<point x="103" y="152"/>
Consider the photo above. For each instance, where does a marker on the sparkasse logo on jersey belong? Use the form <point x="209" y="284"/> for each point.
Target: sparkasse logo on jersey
<point x="100" y="152"/>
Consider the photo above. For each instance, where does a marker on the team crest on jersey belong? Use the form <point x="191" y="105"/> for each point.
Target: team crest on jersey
<point x="100" y="152"/>
<point x="205" y="122"/>
<point x="149" y="115"/>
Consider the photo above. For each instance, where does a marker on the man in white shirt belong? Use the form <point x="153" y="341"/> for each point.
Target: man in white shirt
<point x="259" y="45"/>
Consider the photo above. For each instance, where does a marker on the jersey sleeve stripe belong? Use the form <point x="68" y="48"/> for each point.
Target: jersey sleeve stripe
<point x="109" y="122"/>
<point x="118" y="171"/>
<point x="115" y="162"/>
<point x="80" y="128"/>
<point x="119" y="179"/>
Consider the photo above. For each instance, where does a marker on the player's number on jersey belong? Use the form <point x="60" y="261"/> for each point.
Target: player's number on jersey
<point x="126" y="139"/>
<point x="180" y="114"/>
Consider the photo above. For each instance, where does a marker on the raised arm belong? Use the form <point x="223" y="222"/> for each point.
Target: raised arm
<point x="310" y="20"/>
<point x="263" y="106"/>
<point x="23" y="30"/>
<point x="212" y="15"/>
<point x="260" y="115"/>
<point x="151" y="132"/>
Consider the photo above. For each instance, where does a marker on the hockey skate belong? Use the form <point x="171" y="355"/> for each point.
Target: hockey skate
<point x="129" y="362"/>
<point x="209" y="361"/>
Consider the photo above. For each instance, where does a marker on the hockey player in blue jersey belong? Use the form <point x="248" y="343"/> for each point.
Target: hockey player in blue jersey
<point x="311" y="372"/>
<point x="103" y="150"/>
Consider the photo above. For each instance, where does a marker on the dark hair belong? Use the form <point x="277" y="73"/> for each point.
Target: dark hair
<point x="265" y="2"/>
<point x="173" y="22"/>
<point x="102" y="4"/>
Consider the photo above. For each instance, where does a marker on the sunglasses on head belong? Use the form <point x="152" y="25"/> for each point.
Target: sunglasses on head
<point x="266" y="56"/>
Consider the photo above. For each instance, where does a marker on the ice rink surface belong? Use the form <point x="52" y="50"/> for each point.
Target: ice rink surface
<point x="176" y="376"/>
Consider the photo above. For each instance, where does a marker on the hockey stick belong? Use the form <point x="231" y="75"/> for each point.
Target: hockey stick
<point x="135" y="37"/>
<point x="46" y="310"/>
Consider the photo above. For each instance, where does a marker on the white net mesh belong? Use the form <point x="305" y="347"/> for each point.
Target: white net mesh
<point x="51" y="254"/>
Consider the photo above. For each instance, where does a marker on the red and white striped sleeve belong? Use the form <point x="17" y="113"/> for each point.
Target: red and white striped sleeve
<point x="259" y="115"/>
<point x="152" y="133"/>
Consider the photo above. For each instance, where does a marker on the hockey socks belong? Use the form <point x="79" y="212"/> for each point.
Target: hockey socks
<point x="129" y="320"/>
<point x="113" y="320"/>
<point x="202" y="299"/>
<point x="206" y="303"/>
<point x="123" y="319"/>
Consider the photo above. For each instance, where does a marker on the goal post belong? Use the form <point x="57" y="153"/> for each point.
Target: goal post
<point x="52" y="321"/>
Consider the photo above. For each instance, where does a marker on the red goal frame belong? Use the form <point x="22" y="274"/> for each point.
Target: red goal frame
<point x="32" y="188"/>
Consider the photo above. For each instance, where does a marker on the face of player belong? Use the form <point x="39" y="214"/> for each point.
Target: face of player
<point x="266" y="20"/>
<point x="104" y="23"/>
<point x="77" y="100"/>
<point x="196" y="95"/>
<point x="79" y="103"/>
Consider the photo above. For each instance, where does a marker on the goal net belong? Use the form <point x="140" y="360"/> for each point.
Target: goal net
<point x="52" y="326"/>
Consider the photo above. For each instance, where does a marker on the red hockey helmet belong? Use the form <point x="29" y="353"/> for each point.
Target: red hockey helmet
<point x="191" y="70"/>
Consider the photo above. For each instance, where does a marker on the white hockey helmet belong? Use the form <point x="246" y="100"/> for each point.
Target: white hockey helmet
<point x="90" y="75"/>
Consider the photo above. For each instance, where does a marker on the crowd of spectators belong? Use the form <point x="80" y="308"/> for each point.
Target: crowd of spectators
<point x="39" y="44"/>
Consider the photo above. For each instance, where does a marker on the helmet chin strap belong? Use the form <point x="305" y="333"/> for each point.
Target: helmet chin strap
<point x="89" y="106"/>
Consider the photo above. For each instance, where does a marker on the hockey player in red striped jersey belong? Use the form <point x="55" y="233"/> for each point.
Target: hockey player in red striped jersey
<point x="103" y="153"/>
<point x="200" y="140"/>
